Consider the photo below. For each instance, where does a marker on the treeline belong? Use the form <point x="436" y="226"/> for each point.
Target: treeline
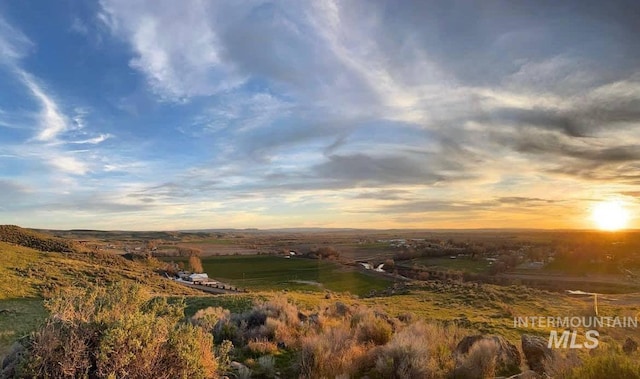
<point x="324" y="252"/>
<point x="28" y="238"/>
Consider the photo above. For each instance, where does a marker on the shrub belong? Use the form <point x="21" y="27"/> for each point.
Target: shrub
<point x="406" y="355"/>
<point x="223" y="354"/>
<point x="279" y="308"/>
<point x="276" y="320"/>
<point x="341" y="309"/>
<point x="481" y="360"/>
<point x="189" y="354"/>
<point x="117" y="332"/>
<point x="267" y="366"/>
<point x="279" y="331"/>
<point x="227" y="330"/>
<point x="389" y="264"/>
<point x="59" y="350"/>
<point x="208" y="318"/>
<point x="262" y="347"/>
<point x="255" y="318"/>
<point x="371" y="329"/>
<point x="418" y="351"/>
<point x="330" y="354"/>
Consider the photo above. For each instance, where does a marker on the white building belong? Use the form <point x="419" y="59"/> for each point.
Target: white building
<point x="198" y="278"/>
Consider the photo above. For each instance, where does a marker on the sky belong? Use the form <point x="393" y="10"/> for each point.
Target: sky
<point x="166" y="115"/>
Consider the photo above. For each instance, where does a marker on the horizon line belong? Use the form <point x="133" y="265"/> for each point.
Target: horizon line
<point x="335" y="229"/>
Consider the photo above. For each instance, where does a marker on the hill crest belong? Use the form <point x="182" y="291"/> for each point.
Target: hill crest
<point x="35" y="240"/>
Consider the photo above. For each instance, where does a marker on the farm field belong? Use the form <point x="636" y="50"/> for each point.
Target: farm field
<point x="220" y="247"/>
<point x="276" y="273"/>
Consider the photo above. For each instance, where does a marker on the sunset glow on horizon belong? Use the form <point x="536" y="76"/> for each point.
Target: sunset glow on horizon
<point x="140" y="114"/>
<point x="610" y="215"/>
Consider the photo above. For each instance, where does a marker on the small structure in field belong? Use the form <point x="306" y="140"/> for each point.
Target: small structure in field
<point x="198" y="278"/>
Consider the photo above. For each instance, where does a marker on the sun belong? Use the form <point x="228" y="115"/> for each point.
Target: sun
<point x="610" y="215"/>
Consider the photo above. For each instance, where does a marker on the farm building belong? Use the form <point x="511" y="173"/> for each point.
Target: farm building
<point x="198" y="278"/>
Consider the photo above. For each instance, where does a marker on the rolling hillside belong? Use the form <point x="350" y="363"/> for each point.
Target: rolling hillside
<point x="28" y="276"/>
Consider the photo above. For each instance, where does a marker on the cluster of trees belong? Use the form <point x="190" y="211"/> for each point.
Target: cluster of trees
<point x="505" y="262"/>
<point x="575" y="252"/>
<point x="324" y="252"/>
<point x="194" y="265"/>
<point x="597" y="253"/>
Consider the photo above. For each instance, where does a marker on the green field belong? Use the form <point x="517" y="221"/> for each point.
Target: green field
<point x="276" y="273"/>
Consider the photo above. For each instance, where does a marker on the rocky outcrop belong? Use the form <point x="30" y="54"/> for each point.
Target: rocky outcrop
<point x="241" y="370"/>
<point x="536" y="352"/>
<point x="12" y="360"/>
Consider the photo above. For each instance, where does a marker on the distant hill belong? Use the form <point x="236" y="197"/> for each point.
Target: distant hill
<point x="35" y="240"/>
<point x="122" y="235"/>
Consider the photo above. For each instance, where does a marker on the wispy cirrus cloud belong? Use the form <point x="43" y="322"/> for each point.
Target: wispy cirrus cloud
<point x="92" y="141"/>
<point x="179" y="53"/>
<point x="52" y="121"/>
<point x="50" y="124"/>
<point x="428" y="109"/>
<point x="323" y="96"/>
<point x="14" y="45"/>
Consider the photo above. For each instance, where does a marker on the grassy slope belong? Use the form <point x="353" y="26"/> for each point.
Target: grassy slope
<point x="486" y="308"/>
<point x="27" y="276"/>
